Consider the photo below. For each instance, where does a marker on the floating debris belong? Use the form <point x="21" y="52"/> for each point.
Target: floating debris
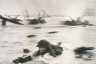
<point x="22" y="59"/>
<point x="31" y="36"/>
<point x="37" y="27"/>
<point x="53" y="32"/>
<point x="26" y="50"/>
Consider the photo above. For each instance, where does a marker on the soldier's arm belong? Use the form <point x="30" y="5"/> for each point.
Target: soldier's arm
<point x="52" y="51"/>
<point x="35" y="54"/>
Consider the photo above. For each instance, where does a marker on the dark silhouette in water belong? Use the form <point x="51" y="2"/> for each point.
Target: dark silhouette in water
<point x="37" y="27"/>
<point x="44" y="47"/>
<point x="85" y="23"/>
<point x="22" y="59"/>
<point x="31" y="36"/>
<point x="37" y="21"/>
<point x="81" y="51"/>
<point x="71" y="22"/>
<point x="53" y="32"/>
<point x="76" y="22"/>
<point x="12" y="20"/>
<point x="26" y="50"/>
<point x="40" y="18"/>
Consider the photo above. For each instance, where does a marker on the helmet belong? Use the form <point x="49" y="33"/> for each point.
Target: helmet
<point x="43" y="43"/>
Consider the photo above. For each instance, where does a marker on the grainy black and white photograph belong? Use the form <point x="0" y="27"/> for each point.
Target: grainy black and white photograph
<point x="47" y="31"/>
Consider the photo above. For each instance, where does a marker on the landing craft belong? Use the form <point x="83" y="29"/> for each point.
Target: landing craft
<point x="12" y="20"/>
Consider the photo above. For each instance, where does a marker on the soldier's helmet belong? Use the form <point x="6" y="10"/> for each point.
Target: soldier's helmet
<point x="43" y="43"/>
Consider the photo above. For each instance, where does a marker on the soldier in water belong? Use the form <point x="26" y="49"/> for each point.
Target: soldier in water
<point x="44" y="47"/>
<point x="47" y="47"/>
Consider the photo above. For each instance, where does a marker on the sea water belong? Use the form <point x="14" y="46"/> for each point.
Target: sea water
<point x="13" y="39"/>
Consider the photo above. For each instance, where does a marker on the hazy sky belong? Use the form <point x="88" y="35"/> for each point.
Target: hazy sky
<point x="52" y="7"/>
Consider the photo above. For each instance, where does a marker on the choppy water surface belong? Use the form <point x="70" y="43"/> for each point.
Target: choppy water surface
<point x="13" y="39"/>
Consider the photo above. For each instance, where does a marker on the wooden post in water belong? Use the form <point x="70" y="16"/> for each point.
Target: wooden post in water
<point x="3" y="22"/>
<point x="45" y="13"/>
<point x="27" y="14"/>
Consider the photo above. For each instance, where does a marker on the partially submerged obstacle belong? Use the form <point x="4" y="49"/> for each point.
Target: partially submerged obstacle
<point x="72" y="23"/>
<point x="76" y="22"/>
<point x="37" y="21"/>
<point x="40" y="18"/>
<point x="12" y="20"/>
